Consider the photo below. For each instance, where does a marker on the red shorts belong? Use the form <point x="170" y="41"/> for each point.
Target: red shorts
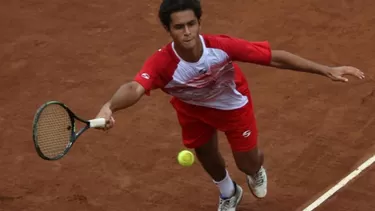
<point x="199" y="123"/>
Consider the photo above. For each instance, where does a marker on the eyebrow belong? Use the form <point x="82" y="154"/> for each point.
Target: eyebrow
<point x="189" y="22"/>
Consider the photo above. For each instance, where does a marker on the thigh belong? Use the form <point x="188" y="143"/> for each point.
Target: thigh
<point x="242" y="136"/>
<point x="241" y="129"/>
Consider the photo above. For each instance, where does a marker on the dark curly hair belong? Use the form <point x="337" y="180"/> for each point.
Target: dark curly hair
<point x="167" y="7"/>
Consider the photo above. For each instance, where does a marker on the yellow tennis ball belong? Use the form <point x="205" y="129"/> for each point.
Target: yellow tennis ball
<point x="185" y="158"/>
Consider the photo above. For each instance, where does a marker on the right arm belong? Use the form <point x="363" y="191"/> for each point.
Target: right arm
<point x="130" y="93"/>
<point x="127" y="95"/>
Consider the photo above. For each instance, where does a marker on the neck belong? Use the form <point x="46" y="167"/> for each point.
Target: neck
<point x="190" y="55"/>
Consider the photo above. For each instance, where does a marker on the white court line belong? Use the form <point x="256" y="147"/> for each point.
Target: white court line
<point x="341" y="184"/>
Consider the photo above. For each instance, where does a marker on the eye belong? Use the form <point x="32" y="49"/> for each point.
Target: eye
<point x="179" y="26"/>
<point x="192" y="23"/>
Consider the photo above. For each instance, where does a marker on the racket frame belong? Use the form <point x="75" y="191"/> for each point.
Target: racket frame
<point x="73" y="136"/>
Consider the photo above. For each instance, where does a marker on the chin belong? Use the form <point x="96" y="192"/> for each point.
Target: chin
<point x="190" y="45"/>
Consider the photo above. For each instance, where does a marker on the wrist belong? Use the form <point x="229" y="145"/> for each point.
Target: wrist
<point x="108" y="106"/>
<point x="326" y="71"/>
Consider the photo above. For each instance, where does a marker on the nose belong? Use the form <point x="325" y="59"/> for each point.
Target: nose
<point x="187" y="30"/>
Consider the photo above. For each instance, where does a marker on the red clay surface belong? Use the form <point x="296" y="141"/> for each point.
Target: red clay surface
<point x="358" y="195"/>
<point x="313" y="131"/>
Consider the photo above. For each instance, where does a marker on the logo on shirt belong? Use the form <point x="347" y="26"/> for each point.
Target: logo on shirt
<point x="202" y="71"/>
<point x="145" y="75"/>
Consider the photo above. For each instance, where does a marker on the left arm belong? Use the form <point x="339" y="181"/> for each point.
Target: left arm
<point x="262" y="54"/>
<point x="286" y="60"/>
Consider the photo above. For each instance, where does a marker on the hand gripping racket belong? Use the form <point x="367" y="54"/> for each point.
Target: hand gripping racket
<point x="54" y="129"/>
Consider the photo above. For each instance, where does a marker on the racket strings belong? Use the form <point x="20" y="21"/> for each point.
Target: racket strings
<point x="54" y="130"/>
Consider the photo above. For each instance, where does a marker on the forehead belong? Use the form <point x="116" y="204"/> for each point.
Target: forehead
<point x="182" y="17"/>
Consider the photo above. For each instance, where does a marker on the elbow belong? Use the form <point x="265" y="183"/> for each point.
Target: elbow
<point x="279" y="59"/>
<point x="279" y="55"/>
<point x="138" y="89"/>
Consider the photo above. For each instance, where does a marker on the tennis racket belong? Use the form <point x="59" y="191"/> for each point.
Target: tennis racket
<point x="54" y="129"/>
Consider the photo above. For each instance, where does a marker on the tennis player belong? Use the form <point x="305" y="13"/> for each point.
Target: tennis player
<point x="210" y="93"/>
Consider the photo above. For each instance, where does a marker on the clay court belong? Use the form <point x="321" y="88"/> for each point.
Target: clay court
<point x="314" y="131"/>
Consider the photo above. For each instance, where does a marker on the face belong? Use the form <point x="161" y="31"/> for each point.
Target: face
<point x="184" y="29"/>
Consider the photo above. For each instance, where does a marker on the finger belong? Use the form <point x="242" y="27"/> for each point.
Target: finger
<point x="112" y="121"/>
<point x="343" y="79"/>
<point x="359" y="74"/>
<point x="355" y="72"/>
<point x="109" y="125"/>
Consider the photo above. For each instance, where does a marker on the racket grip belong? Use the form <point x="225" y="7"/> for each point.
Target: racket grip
<point x="99" y="122"/>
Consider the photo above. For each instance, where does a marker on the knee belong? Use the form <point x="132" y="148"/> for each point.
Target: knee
<point x="249" y="168"/>
<point x="249" y="162"/>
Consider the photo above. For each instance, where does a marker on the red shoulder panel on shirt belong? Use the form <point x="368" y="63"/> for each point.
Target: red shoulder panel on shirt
<point x="257" y="52"/>
<point x="158" y="69"/>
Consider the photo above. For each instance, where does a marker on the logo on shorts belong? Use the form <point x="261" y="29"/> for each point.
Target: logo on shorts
<point x="246" y="133"/>
<point x="145" y="75"/>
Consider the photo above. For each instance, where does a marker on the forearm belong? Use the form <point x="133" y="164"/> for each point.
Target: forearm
<point x="127" y="95"/>
<point x="286" y="60"/>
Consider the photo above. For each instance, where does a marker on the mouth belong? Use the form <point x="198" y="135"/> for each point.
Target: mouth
<point x="187" y="41"/>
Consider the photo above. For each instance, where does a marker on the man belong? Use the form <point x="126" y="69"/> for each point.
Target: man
<point x="210" y="93"/>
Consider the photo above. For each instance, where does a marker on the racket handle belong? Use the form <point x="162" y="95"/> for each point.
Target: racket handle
<point x="99" y="122"/>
